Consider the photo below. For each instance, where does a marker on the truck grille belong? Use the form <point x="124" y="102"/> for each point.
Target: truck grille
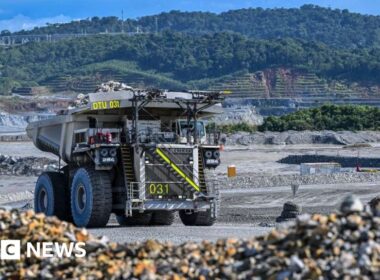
<point x="162" y="180"/>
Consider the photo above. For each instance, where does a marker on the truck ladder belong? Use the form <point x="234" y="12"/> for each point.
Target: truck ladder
<point x="212" y="187"/>
<point x="129" y="175"/>
<point x="201" y="173"/>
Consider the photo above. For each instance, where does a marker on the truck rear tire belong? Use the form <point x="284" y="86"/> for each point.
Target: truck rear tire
<point x="137" y="219"/>
<point x="51" y="196"/>
<point x="91" y="198"/>
<point x="196" y="218"/>
<point x="162" y="218"/>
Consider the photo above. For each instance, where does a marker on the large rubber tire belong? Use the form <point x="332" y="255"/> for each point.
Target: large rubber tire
<point x="197" y="218"/>
<point x="162" y="218"/>
<point x="290" y="206"/>
<point x="137" y="219"/>
<point x="51" y="196"/>
<point x="289" y="214"/>
<point x="91" y="198"/>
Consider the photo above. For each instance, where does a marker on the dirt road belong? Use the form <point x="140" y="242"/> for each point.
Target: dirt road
<point x="244" y="212"/>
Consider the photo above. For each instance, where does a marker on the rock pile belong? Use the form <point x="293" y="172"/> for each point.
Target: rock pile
<point x="303" y="137"/>
<point x="236" y="115"/>
<point x="25" y="166"/>
<point x="341" y="245"/>
<point x="290" y="211"/>
<point x="112" y="86"/>
<point x="80" y="101"/>
<point x="344" y="161"/>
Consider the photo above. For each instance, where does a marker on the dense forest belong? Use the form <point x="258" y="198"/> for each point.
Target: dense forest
<point x="185" y="58"/>
<point x="193" y="50"/>
<point x="337" y="28"/>
<point x="327" y="117"/>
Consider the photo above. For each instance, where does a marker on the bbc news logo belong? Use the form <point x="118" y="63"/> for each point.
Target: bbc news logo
<point x="11" y="249"/>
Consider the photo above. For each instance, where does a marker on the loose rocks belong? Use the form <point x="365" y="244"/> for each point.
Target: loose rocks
<point x="112" y="86"/>
<point x="339" y="245"/>
<point x="27" y="166"/>
<point x="375" y="205"/>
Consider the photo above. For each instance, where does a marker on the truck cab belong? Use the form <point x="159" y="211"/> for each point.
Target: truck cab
<point x="183" y="129"/>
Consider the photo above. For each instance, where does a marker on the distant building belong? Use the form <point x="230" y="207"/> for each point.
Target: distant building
<point x="320" y="168"/>
<point x="30" y="91"/>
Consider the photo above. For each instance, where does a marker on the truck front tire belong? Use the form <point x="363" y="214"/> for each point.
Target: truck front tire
<point x="51" y="196"/>
<point x="196" y="218"/>
<point x="91" y="198"/>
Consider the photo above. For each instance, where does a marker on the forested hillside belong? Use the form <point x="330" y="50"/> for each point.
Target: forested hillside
<point x="269" y="53"/>
<point x="185" y="58"/>
<point x="337" y="28"/>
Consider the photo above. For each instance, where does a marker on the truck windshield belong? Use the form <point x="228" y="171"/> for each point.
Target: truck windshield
<point x="184" y="127"/>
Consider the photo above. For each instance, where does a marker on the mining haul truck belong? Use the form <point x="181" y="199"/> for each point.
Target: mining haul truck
<point x="140" y="154"/>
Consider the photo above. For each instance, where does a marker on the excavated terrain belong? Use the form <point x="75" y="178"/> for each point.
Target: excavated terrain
<point x="251" y="202"/>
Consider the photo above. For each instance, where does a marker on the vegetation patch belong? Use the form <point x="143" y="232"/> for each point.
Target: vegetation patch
<point x="232" y="128"/>
<point x="327" y="117"/>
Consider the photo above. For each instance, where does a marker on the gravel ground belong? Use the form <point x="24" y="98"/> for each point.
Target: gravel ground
<point x="178" y="233"/>
<point x="246" y="213"/>
<point x="304" y="137"/>
<point x="263" y="159"/>
<point x="248" y="209"/>
<point x="258" y="181"/>
<point x="23" y="149"/>
<point x="263" y="205"/>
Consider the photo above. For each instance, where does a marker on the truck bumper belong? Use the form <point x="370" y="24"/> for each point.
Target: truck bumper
<point x="175" y="205"/>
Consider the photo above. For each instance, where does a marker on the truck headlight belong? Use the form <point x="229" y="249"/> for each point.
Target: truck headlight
<point x="104" y="152"/>
<point x="216" y="154"/>
<point x="208" y="154"/>
<point x="113" y="152"/>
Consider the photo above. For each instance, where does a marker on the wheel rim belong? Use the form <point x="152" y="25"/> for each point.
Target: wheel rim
<point x="43" y="201"/>
<point x="81" y="198"/>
